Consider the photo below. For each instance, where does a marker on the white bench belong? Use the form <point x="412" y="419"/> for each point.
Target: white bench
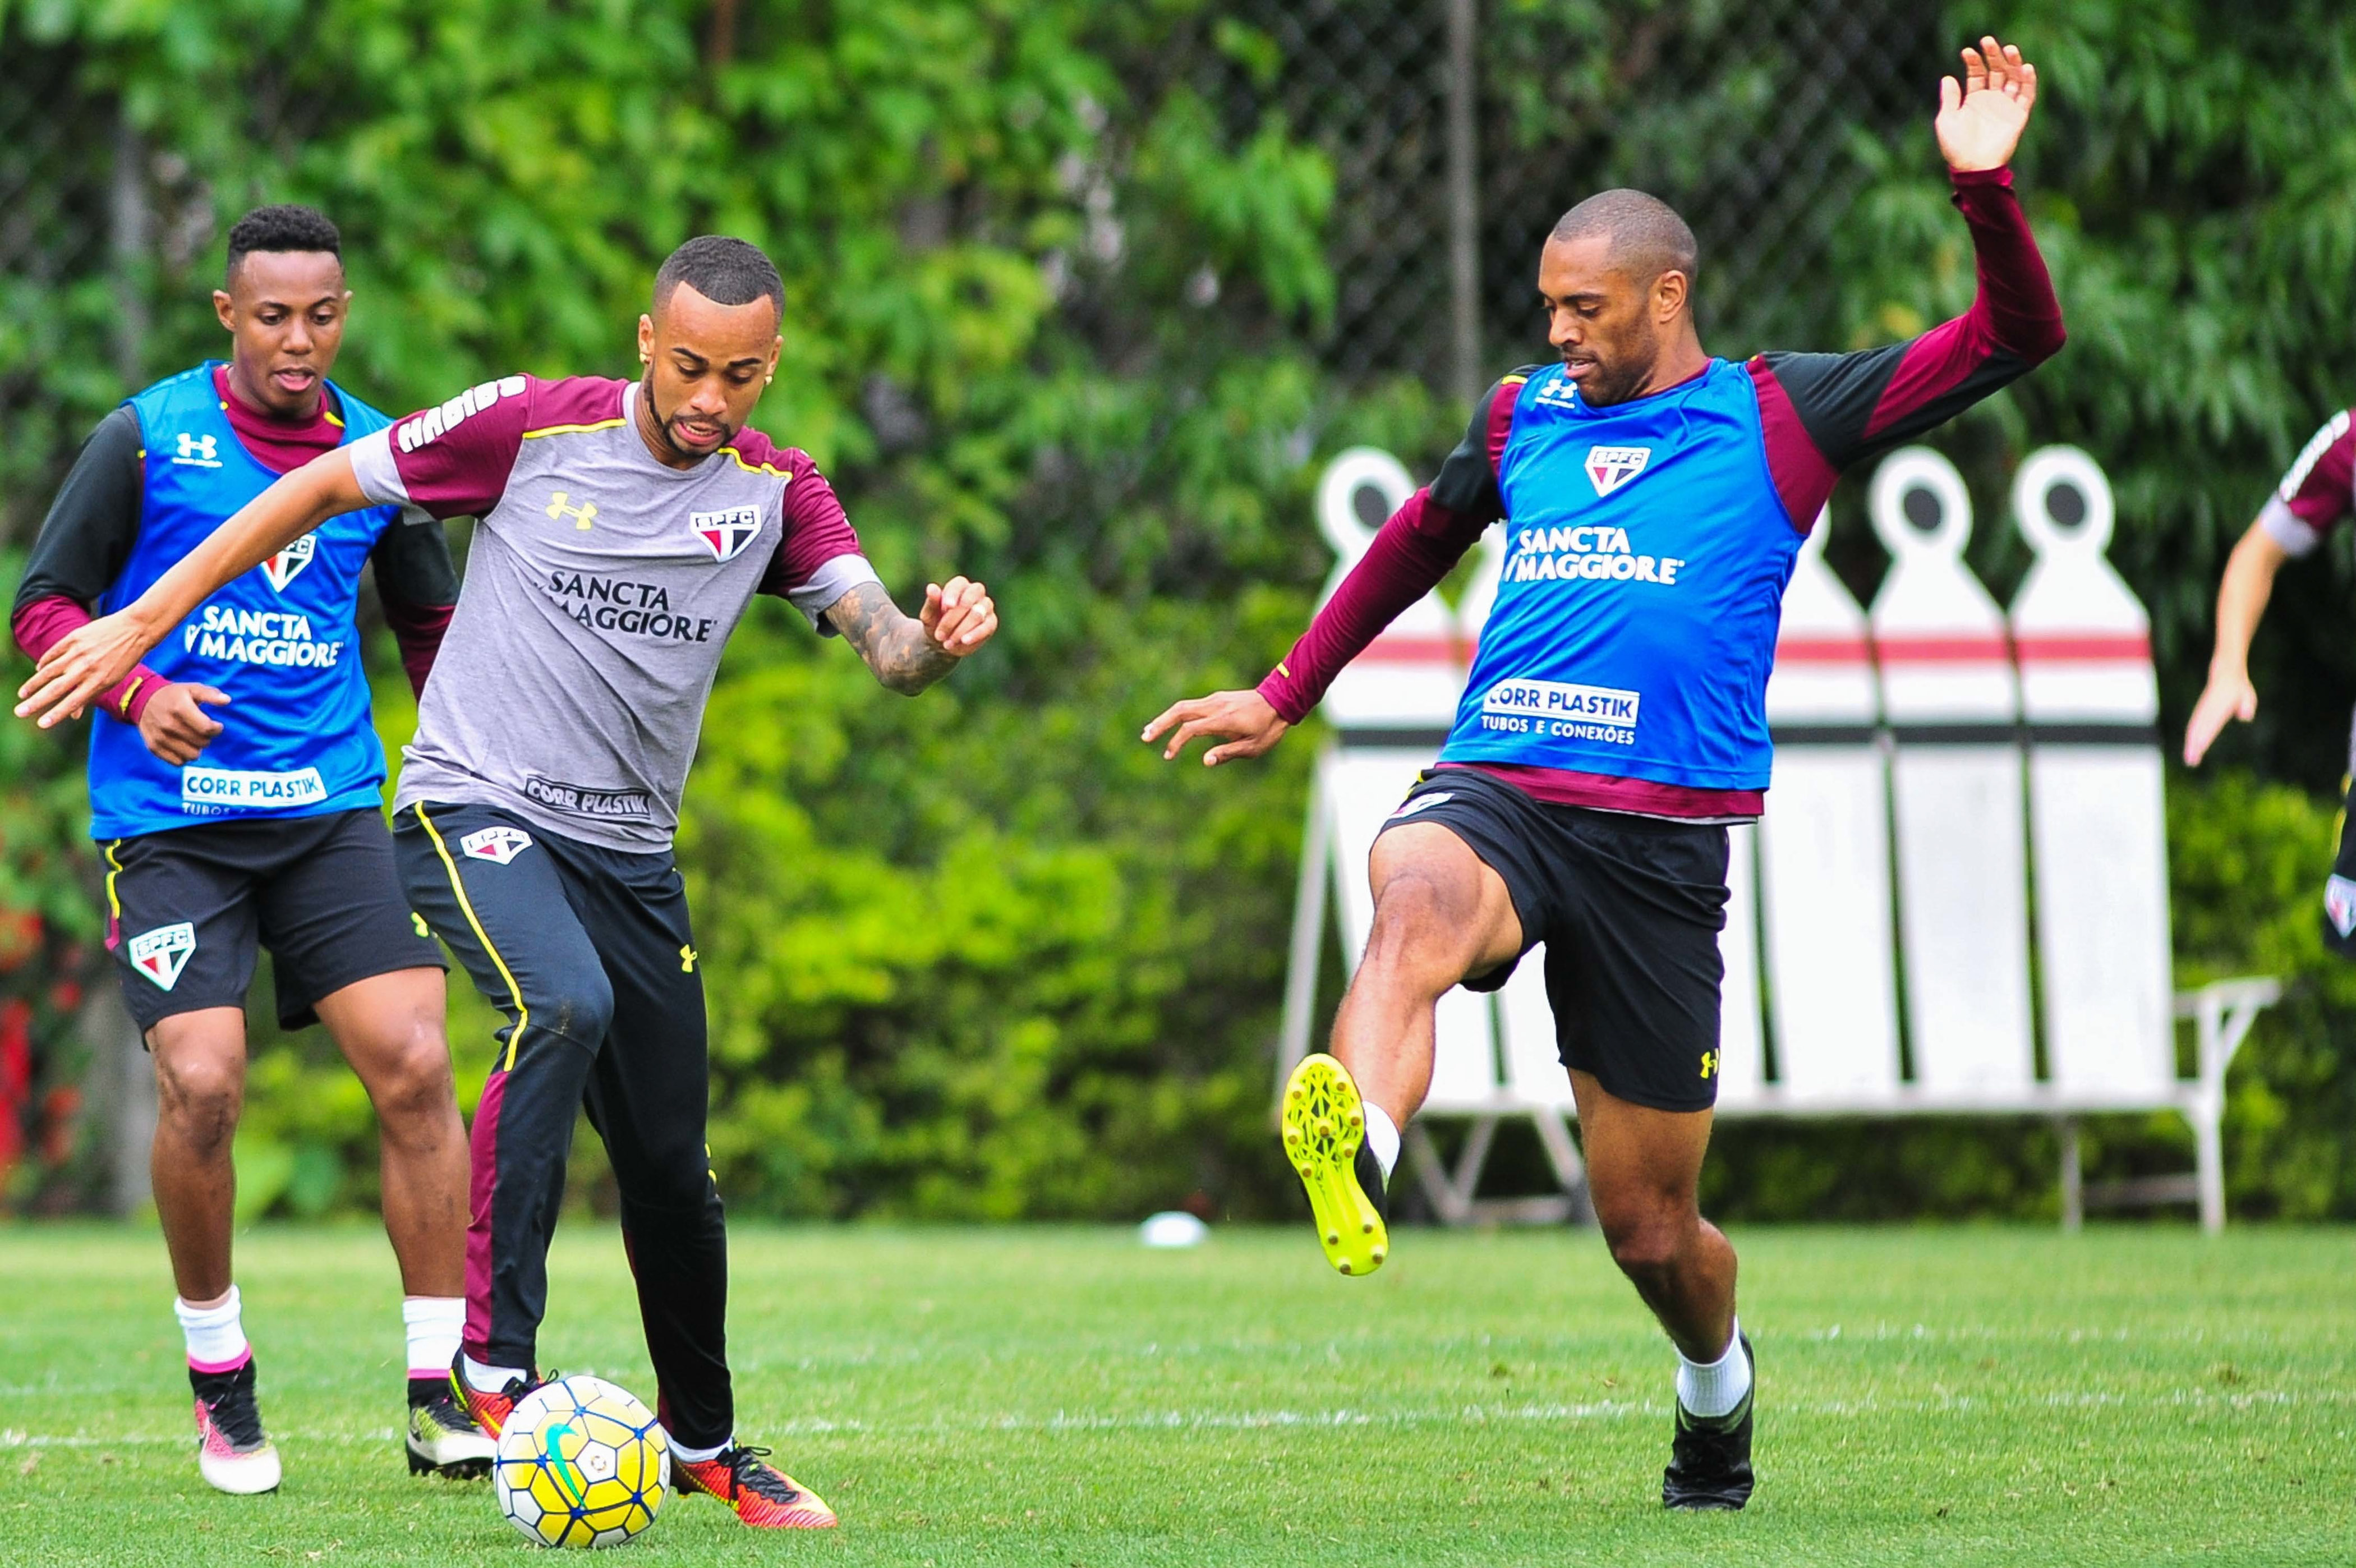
<point x="1937" y="763"/>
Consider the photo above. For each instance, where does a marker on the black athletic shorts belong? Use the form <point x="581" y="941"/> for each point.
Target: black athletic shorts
<point x="186" y="908"/>
<point x="1629" y="908"/>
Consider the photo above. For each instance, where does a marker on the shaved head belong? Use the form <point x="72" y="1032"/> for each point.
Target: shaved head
<point x="1617" y="278"/>
<point x="1646" y="236"/>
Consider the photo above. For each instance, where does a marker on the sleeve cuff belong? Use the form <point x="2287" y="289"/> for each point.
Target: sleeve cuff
<point x="379" y="479"/>
<point x="129" y="702"/>
<point x="1275" y="688"/>
<point x="2288" y="528"/>
<point x="1965" y="179"/>
<point x="835" y="578"/>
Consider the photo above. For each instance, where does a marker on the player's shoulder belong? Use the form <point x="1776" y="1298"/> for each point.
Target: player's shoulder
<point x="1494" y="412"/>
<point x="173" y="392"/>
<point x="1510" y="384"/>
<point x="357" y="415"/>
<point x="567" y="405"/>
<point x="755" y="453"/>
<point x="2333" y="445"/>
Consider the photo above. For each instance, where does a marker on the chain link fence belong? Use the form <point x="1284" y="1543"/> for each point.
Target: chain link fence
<point x="1759" y="121"/>
<point x="1459" y="130"/>
<point x="55" y="283"/>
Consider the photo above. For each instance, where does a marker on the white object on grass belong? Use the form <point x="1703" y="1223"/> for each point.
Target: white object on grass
<point x="1172" y="1227"/>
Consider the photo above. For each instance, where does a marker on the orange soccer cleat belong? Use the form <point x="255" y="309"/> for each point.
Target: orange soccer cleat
<point x="763" y="1495"/>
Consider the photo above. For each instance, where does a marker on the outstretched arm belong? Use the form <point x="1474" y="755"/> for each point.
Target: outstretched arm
<point x="91" y="658"/>
<point x="2313" y="498"/>
<point x="1421" y="544"/>
<point x="2241" y="597"/>
<point x="909" y="653"/>
<point x="1825" y="412"/>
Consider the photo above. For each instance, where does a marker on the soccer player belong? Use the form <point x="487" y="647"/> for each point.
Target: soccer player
<point x="1614" y="721"/>
<point x="624" y="527"/>
<point x="2317" y="493"/>
<point x="235" y="785"/>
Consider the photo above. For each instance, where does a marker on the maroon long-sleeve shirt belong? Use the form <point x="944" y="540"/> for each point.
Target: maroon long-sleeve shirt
<point x="1819" y="413"/>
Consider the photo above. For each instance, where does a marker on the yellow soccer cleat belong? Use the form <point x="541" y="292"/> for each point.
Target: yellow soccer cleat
<point x="1326" y="1139"/>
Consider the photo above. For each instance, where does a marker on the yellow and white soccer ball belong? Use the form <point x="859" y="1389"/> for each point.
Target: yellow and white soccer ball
<point x="580" y="1463"/>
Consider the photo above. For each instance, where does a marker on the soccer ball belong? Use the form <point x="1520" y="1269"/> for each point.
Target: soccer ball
<point x="580" y="1463"/>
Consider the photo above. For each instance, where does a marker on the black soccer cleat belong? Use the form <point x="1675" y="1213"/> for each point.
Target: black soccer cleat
<point x="1709" y="1461"/>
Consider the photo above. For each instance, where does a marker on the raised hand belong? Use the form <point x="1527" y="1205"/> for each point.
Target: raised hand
<point x="1242" y="719"/>
<point x="1981" y="118"/>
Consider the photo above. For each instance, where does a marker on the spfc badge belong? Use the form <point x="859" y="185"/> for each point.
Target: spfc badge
<point x="499" y="845"/>
<point x="162" y="953"/>
<point x="1609" y="467"/>
<point x="725" y="533"/>
<point x="287" y="564"/>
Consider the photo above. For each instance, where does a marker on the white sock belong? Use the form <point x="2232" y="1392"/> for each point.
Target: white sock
<point x="433" y="1324"/>
<point x="216" y="1336"/>
<point x="1382" y="1137"/>
<point x="697" y="1456"/>
<point x="1714" y="1389"/>
<point x="489" y="1380"/>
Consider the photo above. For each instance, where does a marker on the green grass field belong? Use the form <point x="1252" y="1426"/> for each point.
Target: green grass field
<point x="1063" y="1397"/>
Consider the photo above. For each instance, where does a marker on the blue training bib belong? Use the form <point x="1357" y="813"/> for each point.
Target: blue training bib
<point x="296" y="738"/>
<point x="1634" y="624"/>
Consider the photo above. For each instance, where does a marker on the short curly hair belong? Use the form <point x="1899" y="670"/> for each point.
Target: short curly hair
<point x="723" y="270"/>
<point x="284" y="227"/>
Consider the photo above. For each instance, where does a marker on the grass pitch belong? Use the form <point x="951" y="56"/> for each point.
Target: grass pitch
<point x="1063" y="1397"/>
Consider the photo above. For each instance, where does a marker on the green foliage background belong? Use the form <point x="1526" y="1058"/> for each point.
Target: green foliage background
<point x="982" y="955"/>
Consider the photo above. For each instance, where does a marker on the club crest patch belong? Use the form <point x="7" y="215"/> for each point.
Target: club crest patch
<point x="499" y="845"/>
<point x="2340" y="905"/>
<point x="1609" y="467"/>
<point x="162" y="953"/>
<point x="287" y="564"/>
<point x="725" y="533"/>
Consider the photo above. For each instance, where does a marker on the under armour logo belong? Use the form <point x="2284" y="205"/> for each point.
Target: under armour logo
<point x="579" y="514"/>
<point x="200" y="451"/>
<point x="686" y="958"/>
<point x="1709" y="1063"/>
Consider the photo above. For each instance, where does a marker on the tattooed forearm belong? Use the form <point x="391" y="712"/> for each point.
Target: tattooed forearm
<point x="894" y="645"/>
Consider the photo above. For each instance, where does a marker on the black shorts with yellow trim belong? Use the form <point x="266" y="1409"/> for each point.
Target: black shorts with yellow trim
<point x="189" y="907"/>
<point x="1628" y="909"/>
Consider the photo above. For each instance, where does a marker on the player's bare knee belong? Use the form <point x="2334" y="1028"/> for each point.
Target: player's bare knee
<point x="1647" y="1235"/>
<point x="1421" y="931"/>
<point x="412" y="1086"/>
<point x="1648" y="1250"/>
<point x="199" y="1098"/>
